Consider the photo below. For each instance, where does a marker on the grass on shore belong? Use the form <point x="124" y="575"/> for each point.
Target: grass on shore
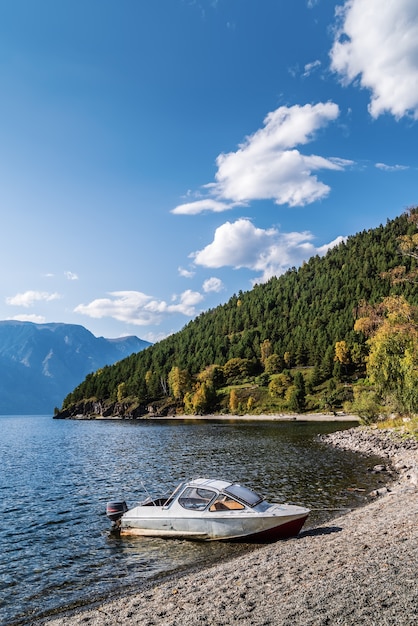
<point x="405" y="426"/>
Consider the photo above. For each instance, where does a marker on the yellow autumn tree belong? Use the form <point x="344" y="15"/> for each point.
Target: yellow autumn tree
<point x="266" y="350"/>
<point x="408" y="246"/>
<point x="279" y="385"/>
<point x="178" y="381"/>
<point x="342" y="353"/>
<point x="273" y="364"/>
<point x="121" y="393"/>
<point x="392" y="363"/>
<point x="201" y="400"/>
<point x="233" y="401"/>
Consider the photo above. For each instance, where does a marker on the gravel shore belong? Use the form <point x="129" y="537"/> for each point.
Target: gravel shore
<point x="360" y="568"/>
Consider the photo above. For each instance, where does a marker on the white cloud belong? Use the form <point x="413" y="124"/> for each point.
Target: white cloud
<point x="335" y="242"/>
<point x="155" y="337"/>
<point x="126" y="306"/>
<point x="311" y="67"/>
<point x="188" y="301"/>
<point x="236" y="244"/>
<point x="28" y="298"/>
<point x="240" y="244"/>
<point x="267" y="165"/>
<point x="134" y="307"/>
<point x="200" y="206"/>
<point x="377" y="44"/>
<point x="71" y="276"/>
<point x="186" y="273"/>
<point x="391" y="168"/>
<point x="213" y="284"/>
<point x="36" y="319"/>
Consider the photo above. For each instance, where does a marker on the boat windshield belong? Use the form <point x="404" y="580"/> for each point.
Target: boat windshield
<point x="249" y="497"/>
<point x="196" y="498"/>
<point x="173" y="495"/>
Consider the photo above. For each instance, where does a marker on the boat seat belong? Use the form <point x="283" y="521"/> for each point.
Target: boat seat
<point x="218" y="506"/>
<point x="234" y="506"/>
<point x="228" y="505"/>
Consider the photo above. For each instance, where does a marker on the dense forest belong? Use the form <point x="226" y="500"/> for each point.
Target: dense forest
<point x="289" y="344"/>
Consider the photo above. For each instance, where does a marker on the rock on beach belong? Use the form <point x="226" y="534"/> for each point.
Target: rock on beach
<point x="361" y="568"/>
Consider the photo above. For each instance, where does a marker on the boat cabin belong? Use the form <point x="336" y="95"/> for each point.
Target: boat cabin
<point x="211" y="495"/>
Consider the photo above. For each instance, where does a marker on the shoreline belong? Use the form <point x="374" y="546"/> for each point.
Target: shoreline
<point x="268" y="417"/>
<point x="360" y="567"/>
<point x="213" y="417"/>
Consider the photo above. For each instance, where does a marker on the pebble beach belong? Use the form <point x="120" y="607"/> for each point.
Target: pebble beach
<point x="358" y="568"/>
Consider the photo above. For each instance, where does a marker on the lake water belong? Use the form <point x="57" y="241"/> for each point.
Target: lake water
<point x="57" y="475"/>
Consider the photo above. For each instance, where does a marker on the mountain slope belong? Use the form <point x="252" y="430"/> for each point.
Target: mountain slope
<point x="41" y="363"/>
<point x="302" y="314"/>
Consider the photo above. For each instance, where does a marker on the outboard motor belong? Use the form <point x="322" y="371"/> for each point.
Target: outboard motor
<point x="115" y="510"/>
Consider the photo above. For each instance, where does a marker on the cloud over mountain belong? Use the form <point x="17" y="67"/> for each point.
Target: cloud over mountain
<point x="241" y="244"/>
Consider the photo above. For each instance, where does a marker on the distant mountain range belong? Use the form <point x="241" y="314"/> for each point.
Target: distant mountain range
<point x="41" y="363"/>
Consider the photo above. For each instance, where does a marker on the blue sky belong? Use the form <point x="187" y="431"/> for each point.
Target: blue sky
<point x="158" y="156"/>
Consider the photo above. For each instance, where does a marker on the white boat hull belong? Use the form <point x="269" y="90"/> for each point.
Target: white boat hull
<point x="282" y="521"/>
<point x="208" y="510"/>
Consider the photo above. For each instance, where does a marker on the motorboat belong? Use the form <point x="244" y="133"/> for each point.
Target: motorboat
<point x="208" y="510"/>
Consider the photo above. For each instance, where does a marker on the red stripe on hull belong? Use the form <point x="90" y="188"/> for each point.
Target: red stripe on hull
<point x="283" y="531"/>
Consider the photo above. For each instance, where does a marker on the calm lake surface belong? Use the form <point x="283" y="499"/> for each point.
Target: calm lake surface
<point x="56" y="477"/>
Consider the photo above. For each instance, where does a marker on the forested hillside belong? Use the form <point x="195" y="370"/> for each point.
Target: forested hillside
<point x="259" y="340"/>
